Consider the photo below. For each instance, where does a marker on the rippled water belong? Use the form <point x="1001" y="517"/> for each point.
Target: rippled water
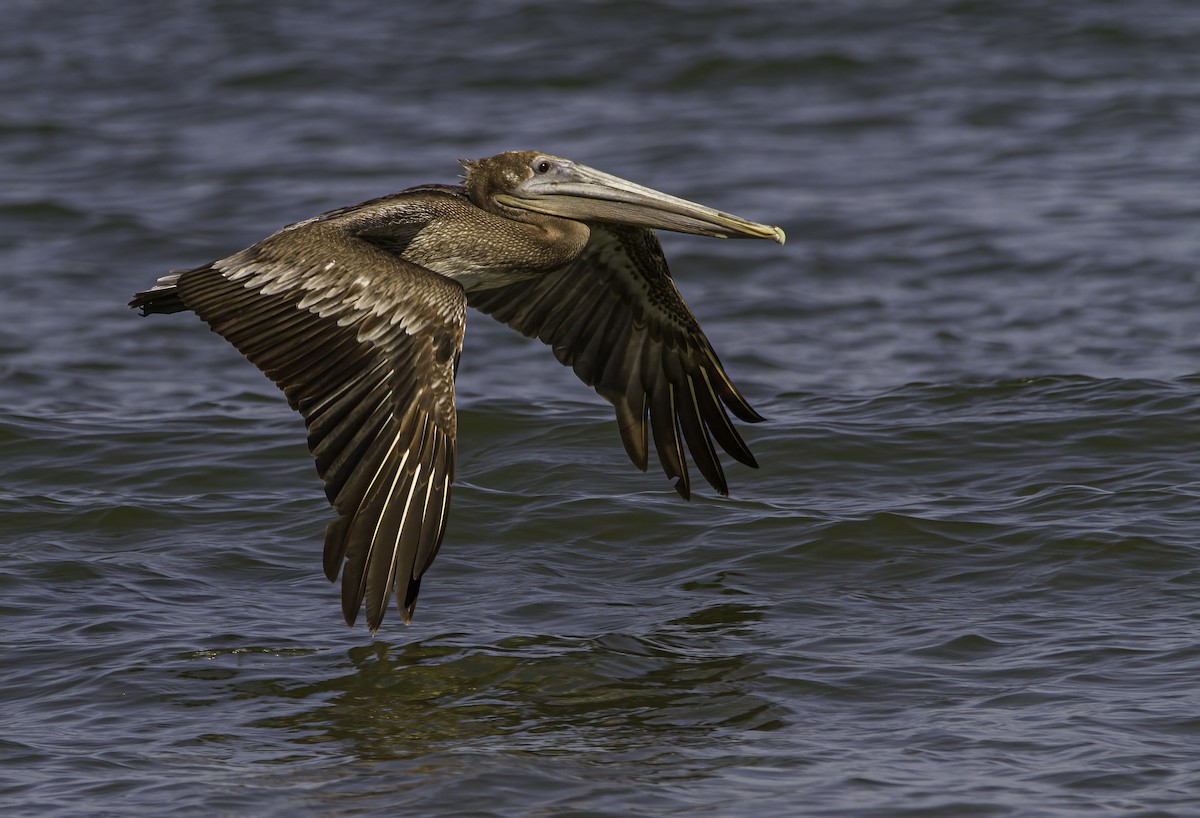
<point x="964" y="581"/>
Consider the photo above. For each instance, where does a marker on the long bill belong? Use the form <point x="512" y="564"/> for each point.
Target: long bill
<point x="588" y="195"/>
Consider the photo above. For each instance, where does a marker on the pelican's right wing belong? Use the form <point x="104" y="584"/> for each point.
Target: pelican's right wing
<point x="365" y="346"/>
<point x="615" y="317"/>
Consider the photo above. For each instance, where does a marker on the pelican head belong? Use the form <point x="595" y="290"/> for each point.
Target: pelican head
<point x="533" y="182"/>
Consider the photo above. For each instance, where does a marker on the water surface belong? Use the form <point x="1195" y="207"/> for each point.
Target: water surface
<point x="964" y="580"/>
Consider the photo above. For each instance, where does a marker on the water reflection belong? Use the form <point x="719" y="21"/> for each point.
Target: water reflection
<point x="541" y="693"/>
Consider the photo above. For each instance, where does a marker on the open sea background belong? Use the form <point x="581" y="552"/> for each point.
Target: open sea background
<point x="965" y="580"/>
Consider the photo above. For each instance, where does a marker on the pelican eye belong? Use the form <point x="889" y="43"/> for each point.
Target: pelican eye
<point x="542" y="166"/>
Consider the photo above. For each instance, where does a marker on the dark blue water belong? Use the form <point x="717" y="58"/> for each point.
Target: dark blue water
<point x="965" y="580"/>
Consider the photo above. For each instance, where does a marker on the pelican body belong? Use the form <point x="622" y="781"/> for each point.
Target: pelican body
<point x="358" y="316"/>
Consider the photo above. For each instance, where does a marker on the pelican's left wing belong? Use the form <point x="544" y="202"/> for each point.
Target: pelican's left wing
<point x="615" y="317"/>
<point x="365" y="346"/>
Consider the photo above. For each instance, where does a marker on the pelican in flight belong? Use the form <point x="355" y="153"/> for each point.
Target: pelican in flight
<point x="358" y="316"/>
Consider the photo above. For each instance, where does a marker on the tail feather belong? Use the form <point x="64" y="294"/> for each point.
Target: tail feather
<point x="162" y="298"/>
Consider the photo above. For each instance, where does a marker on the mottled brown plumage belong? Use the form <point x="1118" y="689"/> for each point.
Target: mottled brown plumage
<point x="358" y="316"/>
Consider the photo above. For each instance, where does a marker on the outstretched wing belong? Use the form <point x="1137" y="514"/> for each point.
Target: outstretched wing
<point x="365" y="346"/>
<point x="615" y="317"/>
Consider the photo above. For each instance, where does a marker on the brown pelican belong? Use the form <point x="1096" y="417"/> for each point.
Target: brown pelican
<point x="358" y="316"/>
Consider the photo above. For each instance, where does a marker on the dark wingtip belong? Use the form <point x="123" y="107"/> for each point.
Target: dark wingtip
<point x="745" y="412"/>
<point x="745" y="457"/>
<point x="683" y="488"/>
<point x="410" y="600"/>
